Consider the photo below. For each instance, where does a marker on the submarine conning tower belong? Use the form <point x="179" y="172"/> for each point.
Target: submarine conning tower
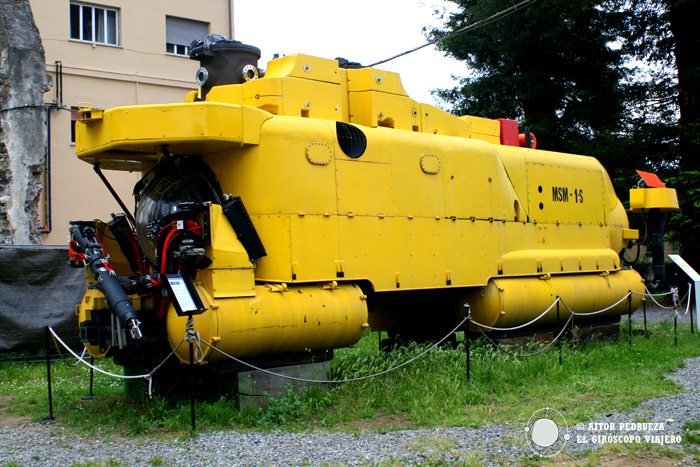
<point x="340" y="90"/>
<point x="223" y="62"/>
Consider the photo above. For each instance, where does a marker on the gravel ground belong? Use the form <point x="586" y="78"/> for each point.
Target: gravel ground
<point x="33" y="444"/>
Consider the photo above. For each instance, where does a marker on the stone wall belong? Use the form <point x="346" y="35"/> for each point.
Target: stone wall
<point x="23" y="81"/>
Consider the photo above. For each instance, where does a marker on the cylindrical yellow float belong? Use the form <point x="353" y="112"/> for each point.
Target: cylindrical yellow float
<point x="512" y="301"/>
<point x="276" y="320"/>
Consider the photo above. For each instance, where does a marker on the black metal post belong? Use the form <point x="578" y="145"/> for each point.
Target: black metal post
<point x="690" y="307"/>
<point x="92" y="376"/>
<point x="50" y="418"/>
<point x="562" y="334"/>
<point x="91" y="396"/>
<point x="675" y="327"/>
<point x="629" y="315"/>
<point x="467" y="344"/>
<point x="644" y="307"/>
<point x="192" y="384"/>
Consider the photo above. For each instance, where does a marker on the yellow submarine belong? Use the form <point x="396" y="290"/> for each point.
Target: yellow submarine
<point x="289" y="211"/>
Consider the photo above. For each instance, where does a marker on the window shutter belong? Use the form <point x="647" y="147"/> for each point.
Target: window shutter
<point x="181" y="31"/>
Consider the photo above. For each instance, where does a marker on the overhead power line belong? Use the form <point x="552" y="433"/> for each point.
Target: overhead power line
<point x="468" y="28"/>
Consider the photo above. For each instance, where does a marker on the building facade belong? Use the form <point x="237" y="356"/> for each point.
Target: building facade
<point x="126" y="52"/>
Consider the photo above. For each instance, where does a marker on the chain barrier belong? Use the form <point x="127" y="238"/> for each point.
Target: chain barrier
<point x="77" y="361"/>
<point x="193" y="337"/>
<point x="335" y="381"/>
<point x="671" y="292"/>
<point x="515" y="328"/>
<point x="545" y="348"/>
<point x="572" y="313"/>
<point x="147" y="376"/>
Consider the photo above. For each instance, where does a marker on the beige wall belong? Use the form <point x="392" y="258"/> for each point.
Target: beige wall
<point x="138" y="71"/>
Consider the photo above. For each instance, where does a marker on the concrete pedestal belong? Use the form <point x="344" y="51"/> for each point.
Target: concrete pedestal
<point x="256" y="387"/>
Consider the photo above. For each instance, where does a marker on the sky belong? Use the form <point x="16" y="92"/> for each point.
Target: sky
<point x="364" y="31"/>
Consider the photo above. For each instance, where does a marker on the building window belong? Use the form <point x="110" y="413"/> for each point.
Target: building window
<point x="74" y="117"/>
<point x="180" y="32"/>
<point x="94" y="24"/>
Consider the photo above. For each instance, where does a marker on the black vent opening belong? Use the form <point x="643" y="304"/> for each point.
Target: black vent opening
<point x="352" y="140"/>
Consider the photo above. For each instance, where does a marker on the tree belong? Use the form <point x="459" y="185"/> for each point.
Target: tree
<point x="663" y="34"/>
<point x="549" y="65"/>
<point x="567" y="70"/>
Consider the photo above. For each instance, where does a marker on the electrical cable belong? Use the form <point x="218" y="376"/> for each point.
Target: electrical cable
<point x="634" y="261"/>
<point x="27" y="106"/>
<point x="470" y="27"/>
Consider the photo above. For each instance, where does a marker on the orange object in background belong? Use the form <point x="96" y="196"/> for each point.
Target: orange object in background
<point x="522" y="140"/>
<point x="652" y="180"/>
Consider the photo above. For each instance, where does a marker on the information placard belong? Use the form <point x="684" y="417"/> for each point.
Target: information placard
<point x="183" y="294"/>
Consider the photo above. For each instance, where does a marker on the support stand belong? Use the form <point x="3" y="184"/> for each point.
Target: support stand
<point x="50" y="418"/>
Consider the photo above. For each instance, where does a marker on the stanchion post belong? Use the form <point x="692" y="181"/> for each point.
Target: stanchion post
<point x="192" y="383"/>
<point x="92" y="376"/>
<point x="467" y="345"/>
<point x="675" y="328"/>
<point x="92" y="380"/>
<point x="560" y="337"/>
<point x="674" y="290"/>
<point x="690" y="307"/>
<point x="467" y="342"/>
<point x="629" y="314"/>
<point x="50" y="418"/>
<point x="644" y="308"/>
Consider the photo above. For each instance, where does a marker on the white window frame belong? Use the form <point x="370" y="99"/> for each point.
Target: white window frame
<point x="178" y="50"/>
<point x="94" y="32"/>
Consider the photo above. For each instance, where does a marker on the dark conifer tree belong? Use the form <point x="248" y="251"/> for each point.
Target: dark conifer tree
<point x="615" y="79"/>
<point x="551" y="65"/>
